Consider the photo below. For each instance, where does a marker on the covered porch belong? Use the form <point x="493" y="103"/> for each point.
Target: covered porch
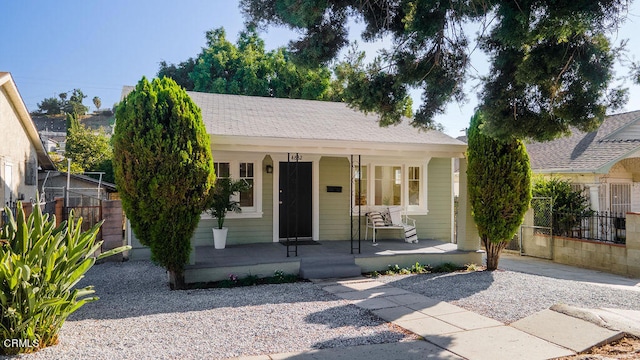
<point x="263" y="259"/>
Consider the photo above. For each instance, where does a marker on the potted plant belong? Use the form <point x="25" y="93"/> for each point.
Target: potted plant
<point x="220" y="203"/>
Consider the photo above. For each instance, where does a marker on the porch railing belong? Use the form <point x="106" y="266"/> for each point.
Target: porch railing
<point x="600" y="226"/>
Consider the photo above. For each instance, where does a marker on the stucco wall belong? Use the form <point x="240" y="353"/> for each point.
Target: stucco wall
<point x="16" y="150"/>
<point x="614" y="258"/>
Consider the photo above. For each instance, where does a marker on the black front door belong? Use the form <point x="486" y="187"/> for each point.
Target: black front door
<point x="295" y="200"/>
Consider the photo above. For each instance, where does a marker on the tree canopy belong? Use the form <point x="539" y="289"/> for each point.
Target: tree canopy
<point x="59" y="105"/>
<point x="551" y="63"/>
<point x="90" y="150"/>
<point x="246" y="68"/>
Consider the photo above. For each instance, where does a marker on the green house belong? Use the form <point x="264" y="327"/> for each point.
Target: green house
<point x="315" y="165"/>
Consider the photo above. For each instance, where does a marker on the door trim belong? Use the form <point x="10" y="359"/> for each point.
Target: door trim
<point x="315" y="193"/>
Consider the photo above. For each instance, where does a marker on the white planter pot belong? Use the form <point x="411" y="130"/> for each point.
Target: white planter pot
<point x="220" y="237"/>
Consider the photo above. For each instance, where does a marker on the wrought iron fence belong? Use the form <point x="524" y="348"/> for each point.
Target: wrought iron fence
<point x="598" y="226"/>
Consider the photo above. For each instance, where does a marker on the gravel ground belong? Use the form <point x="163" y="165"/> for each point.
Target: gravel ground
<point x="508" y="296"/>
<point x="138" y="317"/>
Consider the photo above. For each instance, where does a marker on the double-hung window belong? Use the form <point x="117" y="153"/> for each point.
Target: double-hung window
<point x="380" y="185"/>
<point x="245" y="171"/>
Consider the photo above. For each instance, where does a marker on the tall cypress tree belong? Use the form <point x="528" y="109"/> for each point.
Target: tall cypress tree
<point x="499" y="183"/>
<point x="163" y="169"/>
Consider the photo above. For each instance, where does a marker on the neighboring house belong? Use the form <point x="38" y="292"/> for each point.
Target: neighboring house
<point x="262" y="140"/>
<point x="55" y="183"/>
<point x="22" y="153"/>
<point x="605" y="163"/>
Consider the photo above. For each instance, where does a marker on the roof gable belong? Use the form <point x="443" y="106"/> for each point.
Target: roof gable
<point x="617" y="137"/>
<point x="7" y="83"/>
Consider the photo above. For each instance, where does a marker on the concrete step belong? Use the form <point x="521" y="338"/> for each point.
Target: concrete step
<point x="329" y="267"/>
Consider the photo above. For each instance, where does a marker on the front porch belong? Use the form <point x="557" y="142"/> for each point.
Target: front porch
<point x="263" y="259"/>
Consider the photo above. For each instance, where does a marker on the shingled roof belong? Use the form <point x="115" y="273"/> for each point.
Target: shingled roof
<point x="295" y="119"/>
<point x="597" y="151"/>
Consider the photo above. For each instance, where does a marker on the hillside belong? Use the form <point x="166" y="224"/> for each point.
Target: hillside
<point x="57" y="123"/>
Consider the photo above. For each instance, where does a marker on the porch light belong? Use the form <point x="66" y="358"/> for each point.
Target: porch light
<point x="269" y="169"/>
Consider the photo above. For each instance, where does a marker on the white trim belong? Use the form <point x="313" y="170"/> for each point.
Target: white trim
<point x="404" y="164"/>
<point x="453" y="196"/>
<point x="323" y="147"/>
<point x="234" y="159"/>
<point x="314" y="159"/>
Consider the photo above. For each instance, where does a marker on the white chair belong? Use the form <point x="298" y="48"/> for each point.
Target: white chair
<point x="398" y="219"/>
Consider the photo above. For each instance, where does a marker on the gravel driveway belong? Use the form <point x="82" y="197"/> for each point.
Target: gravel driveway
<point x="138" y="317"/>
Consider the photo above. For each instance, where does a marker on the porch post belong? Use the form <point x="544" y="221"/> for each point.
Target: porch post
<point x="468" y="238"/>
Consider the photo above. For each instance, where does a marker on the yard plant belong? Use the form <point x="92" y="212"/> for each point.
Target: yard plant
<point x="40" y="264"/>
<point x="570" y="205"/>
<point x="163" y="169"/>
<point x="499" y="183"/>
<point x="221" y="201"/>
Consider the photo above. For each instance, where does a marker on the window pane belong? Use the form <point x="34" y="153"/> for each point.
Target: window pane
<point x="360" y="179"/>
<point x="414" y="185"/>
<point x="246" y="197"/>
<point x="246" y="170"/>
<point x="246" y="174"/>
<point x="222" y="169"/>
<point x="388" y="185"/>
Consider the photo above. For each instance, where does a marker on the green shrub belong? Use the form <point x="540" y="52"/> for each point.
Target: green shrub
<point x="570" y="206"/>
<point x="499" y="185"/>
<point x="163" y="168"/>
<point x="39" y="266"/>
<point x="447" y="268"/>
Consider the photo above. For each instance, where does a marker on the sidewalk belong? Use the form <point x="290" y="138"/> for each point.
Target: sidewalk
<point x="452" y="332"/>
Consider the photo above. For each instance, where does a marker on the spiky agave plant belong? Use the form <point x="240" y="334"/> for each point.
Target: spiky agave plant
<point x="40" y="264"/>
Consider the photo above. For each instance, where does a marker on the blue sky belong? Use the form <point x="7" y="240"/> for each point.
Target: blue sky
<point x="98" y="46"/>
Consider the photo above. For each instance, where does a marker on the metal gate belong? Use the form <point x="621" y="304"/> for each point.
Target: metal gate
<point x="536" y="231"/>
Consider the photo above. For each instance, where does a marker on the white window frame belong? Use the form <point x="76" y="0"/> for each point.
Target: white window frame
<point x="421" y="209"/>
<point x="255" y="211"/>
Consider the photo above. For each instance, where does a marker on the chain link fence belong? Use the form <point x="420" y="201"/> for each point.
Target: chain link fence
<point x="536" y="232"/>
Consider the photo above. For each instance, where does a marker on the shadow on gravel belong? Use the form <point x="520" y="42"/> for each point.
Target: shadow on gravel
<point x="134" y="289"/>
<point x="362" y="348"/>
<point x="346" y="342"/>
<point x="443" y="286"/>
<point x="342" y="316"/>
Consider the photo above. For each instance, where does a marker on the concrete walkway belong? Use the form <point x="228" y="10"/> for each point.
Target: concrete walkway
<point x="452" y="332"/>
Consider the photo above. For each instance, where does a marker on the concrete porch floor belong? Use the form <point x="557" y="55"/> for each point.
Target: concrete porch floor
<point x="263" y="259"/>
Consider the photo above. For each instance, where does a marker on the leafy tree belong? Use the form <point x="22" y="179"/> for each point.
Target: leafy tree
<point x="88" y="149"/>
<point x="499" y="183"/>
<point x="246" y="68"/>
<point x="50" y="106"/>
<point x="569" y="206"/>
<point x="551" y="62"/>
<point x="74" y="105"/>
<point x="55" y="106"/>
<point x="163" y="169"/>
<point x="97" y="102"/>
<point x="179" y="73"/>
